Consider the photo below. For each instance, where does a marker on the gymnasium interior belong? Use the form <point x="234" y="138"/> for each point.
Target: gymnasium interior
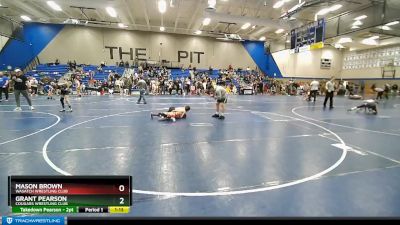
<point x="294" y="105"/>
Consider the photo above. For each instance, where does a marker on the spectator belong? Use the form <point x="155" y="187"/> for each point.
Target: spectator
<point x="3" y="86"/>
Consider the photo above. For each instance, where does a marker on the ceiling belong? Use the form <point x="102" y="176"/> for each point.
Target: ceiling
<point x="184" y="17"/>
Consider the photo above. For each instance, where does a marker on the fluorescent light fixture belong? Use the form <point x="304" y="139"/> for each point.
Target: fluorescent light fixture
<point x="357" y="23"/>
<point x="198" y="32"/>
<point x="162" y="6"/>
<point x="262" y="38"/>
<point x="360" y="17"/>
<point x="111" y="11"/>
<point x="212" y="3"/>
<point x="296" y="7"/>
<point x="278" y="4"/>
<point x="54" y="5"/>
<point x="245" y="26"/>
<point x="121" y="25"/>
<point x="253" y="27"/>
<point x="339" y="45"/>
<point x="287" y="0"/>
<point x="374" y="37"/>
<point x="279" y="31"/>
<point x="206" y="21"/>
<point x="392" y="23"/>
<point x="171" y="3"/>
<point x="355" y="27"/>
<point x="335" y="7"/>
<point x="369" y="41"/>
<point x="162" y="28"/>
<point x="323" y="11"/>
<point x="26" y="18"/>
<point x="385" y="27"/>
<point x="287" y="41"/>
<point x="345" y="40"/>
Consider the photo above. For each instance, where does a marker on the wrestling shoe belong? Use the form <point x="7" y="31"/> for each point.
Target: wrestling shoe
<point x="215" y="116"/>
<point x="32" y="108"/>
<point x="221" y="117"/>
<point x="70" y="110"/>
<point x="18" y="109"/>
<point x="62" y="110"/>
<point x="173" y="119"/>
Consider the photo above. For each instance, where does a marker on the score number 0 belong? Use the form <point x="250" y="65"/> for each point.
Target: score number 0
<point x="121" y="188"/>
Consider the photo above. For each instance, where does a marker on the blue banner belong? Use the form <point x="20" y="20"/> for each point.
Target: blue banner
<point x="28" y="220"/>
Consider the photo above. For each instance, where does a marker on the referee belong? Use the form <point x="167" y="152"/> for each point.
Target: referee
<point x="220" y="96"/>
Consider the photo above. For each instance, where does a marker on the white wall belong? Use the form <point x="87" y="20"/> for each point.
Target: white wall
<point x="87" y="45"/>
<point x="307" y="64"/>
<point x="3" y="41"/>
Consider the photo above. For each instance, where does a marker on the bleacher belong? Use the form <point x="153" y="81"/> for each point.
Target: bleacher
<point x="52" y="71"/>
<point x="101" y="75"/>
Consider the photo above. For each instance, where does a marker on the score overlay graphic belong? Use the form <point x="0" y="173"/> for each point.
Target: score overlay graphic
<point x="69" y="194"/>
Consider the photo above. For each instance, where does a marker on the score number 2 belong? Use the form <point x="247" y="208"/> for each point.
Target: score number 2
<point x="121" y="188"/>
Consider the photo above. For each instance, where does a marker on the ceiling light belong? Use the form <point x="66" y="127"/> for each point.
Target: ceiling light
<point x="335" y="7"/>
<point x="121" y="25"/>
<point x="262" y="38"/>
<point x="111" y="11"/>
<point x="212" y="3"/>
<point x="162" y="6"/>
<point x="355" y="27"/>
<point x="162" y="28"/>
<point x="296" y="7"/>
<point x="279" y="31"/>
<point x="369" y="41"/>
<point x="253" y="27"/>
<point x="278" y="4"/>
<point x="339" y="45"/>
<point x="345" y="40"/>
<point x="323" y="11"/>
<point x="392" y="23"/>
<point x="385" y="28"/>
<point x="245" y="26"/>
<point x="54" y="6"/>
<point x="206" y="21"/>
<point x="357" y="23"/>
<point x="198" y="32"/>
<point x="171" y="3"/>
<point x="26" y="18"/>
<point x="374" y="37"/>
<point x="361" y="17"/>
<point x="288" y="41"/>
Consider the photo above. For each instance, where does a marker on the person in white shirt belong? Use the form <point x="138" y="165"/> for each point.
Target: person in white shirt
<point x="314" y="86"/>
<point x="330" y="89"/>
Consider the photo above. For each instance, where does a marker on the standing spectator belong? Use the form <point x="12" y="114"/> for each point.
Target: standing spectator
<point x="330" y="89"/>
<point x="142" y="87"/>
<point x="3" y="86"/>
<point x="314" y="86"/>
<point x="20" y="87"/>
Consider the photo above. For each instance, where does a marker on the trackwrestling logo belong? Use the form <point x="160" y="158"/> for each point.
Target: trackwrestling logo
<point x="33" y="220"/>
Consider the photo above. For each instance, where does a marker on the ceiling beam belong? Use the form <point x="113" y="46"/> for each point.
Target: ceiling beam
<point x="177" y="16"/>
<point x="28" y="10"/>
<point x="45" y="10"/>
<point x="194" y="14"/>
<point x="146" y="16"/>
<point x="101" y="17"/>
<point x="132" y="19"/>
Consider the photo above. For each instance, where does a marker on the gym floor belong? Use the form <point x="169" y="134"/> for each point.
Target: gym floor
<point x="271" y="156"/>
